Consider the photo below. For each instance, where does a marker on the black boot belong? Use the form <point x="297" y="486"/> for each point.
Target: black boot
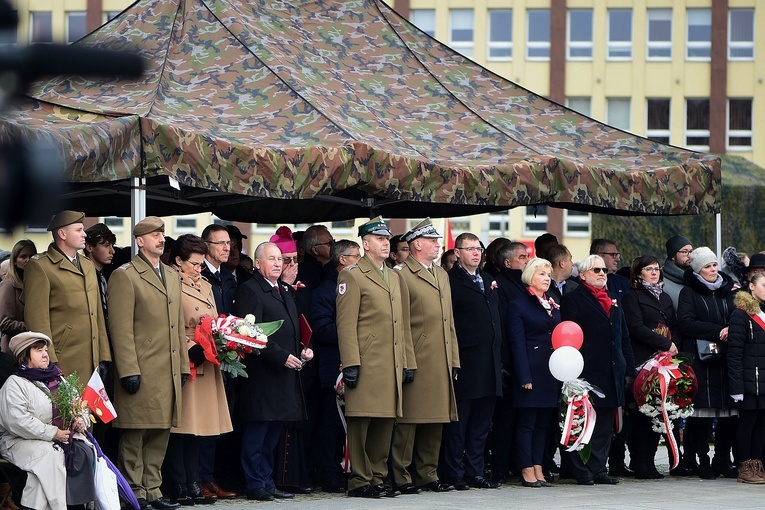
<point x="180" y="496"/>
<point x="705" y="470"/>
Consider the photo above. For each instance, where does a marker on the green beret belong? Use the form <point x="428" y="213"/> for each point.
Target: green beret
<point x="374" y="226"/>
<point x="65" y="218"/>
<point x="148" y="225"/>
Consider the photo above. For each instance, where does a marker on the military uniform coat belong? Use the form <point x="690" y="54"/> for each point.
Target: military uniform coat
<point x="11" y="312"/>
<point x="430" y="398"/>
<point x="373" y="334"/>
<point x="147" y="328"/>
<point x="271" y="392"/>
<point x="64" y="303"/>
<point x="205" y="408"/>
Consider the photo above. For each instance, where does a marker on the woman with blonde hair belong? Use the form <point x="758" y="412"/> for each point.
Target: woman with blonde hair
<point x="11" y="288"/>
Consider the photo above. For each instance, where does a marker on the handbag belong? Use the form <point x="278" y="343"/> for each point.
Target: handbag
<point x="107" y="495"/>
<point x="711" y="352"/>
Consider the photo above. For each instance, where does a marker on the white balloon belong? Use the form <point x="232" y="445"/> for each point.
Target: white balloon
<point x="566" y="363"/>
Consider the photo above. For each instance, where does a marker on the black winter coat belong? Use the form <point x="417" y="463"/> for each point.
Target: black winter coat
<point x="324" y="313"/>
<point x="479" y="335"/>
<point x="702" y="313"/>
<point x="746" y="356"/>
<point x="271" y="392"/>
<point x="606" y="350"/>
<point x="510" y="287"/>
<point x="643" y="313"/>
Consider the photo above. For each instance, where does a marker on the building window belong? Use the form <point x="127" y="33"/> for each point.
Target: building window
<point x="115" y="223"/>
<point x="619" y="34"/>
<point x="425" y="20"/>
<point x="739" y="124"/>
<point x="185" y="225"/>
<point x="538" y="34"/>
<point x="110" y="15"/>
<point x="579" y="104"/>
<point x="76" y="27"/>
<point x="699" y="34"/>
<point x="741" y="34"/>
<point x="500" y="34"/>
<point x="697" y="124"/>
<point x="579" y="34"/>
<point x="461" y="31"/>
<point x="41" y="27"/>
<point x="659" y="34"/>
<point x="499" y="224"/>
<point x="618" y="112"/>
<point x="657" y="128"/>
<point x="535" y="220"/>
<point x="577" y="223"/>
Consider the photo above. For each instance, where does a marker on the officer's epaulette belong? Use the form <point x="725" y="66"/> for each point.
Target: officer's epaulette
<point x="351" y="266"/>
<point x="36" y="256"/>
<point x="398" y="267"/>
<point x="126" y="265"/>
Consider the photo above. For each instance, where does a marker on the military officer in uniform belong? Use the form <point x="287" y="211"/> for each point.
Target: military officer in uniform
<point x="377" y="357"/>
<point x="429" y="400"/>
<point x="151" y="361"/>
<point x="62" y="299"/>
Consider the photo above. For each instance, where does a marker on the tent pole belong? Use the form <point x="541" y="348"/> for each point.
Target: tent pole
<point x="718" y="234"/>
<point x="137" y="205"/>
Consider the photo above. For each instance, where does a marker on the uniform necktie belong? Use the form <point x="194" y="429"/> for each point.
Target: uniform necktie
<point x="76" y="262"/>
<point x="102" y="288"/>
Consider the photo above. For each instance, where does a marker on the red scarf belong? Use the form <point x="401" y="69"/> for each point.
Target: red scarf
<point x="602" y="296"/>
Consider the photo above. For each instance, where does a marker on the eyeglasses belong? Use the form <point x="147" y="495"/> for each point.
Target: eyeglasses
<point x="598" y="270"/>
<point x="290" y="260"/>
<point x="652" y="269"/>
<point x="471" y="249"/>
<point x="352" y="255"/>
<point x="195" y="265"/>
<point x="614" y="254"/>
<point x="219" y="243"/>
<point x="684" y="252"/>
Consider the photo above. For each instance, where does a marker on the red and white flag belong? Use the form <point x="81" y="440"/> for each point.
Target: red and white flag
<point x="97" y="399"/>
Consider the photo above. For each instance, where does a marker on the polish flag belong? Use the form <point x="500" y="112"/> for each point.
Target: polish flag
<point x="97" y="399"/>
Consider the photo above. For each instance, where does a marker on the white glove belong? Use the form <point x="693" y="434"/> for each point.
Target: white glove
<point x="737" y="398"/>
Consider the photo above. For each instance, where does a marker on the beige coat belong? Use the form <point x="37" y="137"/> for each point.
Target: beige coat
<point x="147" y="328"/>
<point x="64" y="303"/>
<point x="11" y="312"/>
<point x="26" y="436"/>
<point x="430" y="398"/>
<point x="205" y="409"/>
<point x="373" y="333"/>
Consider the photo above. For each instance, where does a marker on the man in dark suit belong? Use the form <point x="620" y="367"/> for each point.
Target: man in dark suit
<point x="223" y="283"/>
<point x="271" y="394"/>
<point x="562" y="267"/>
<point x="475" y="302"/>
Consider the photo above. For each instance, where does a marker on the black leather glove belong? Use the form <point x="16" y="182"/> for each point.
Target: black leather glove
<point x="197" y="354"/>
<point x="455" y="373"/>
<point x="408" y="376"/>
<point x="351" y="376"/>
<point x="104" y="370"/>
<point x="184" y="378"/>
<point x="131" y="383"/>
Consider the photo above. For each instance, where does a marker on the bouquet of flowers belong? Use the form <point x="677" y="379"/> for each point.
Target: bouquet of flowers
<point x="233" y="338"/>
<point x="664" y="390"/>
<point x="578" y="417"/>
<point x="67" y="400"/>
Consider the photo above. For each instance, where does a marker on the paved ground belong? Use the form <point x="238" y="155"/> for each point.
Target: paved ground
<point x="670" y="493"/>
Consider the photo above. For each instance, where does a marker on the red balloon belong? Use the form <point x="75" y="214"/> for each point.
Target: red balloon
<point x="567" y="333"/>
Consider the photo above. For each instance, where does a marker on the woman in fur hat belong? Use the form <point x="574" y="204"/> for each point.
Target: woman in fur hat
<point x="746" y="355"/>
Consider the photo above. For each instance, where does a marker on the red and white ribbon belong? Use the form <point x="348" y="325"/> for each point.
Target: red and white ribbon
<point x="340" y="402"/>
<point x="667" y="371"/>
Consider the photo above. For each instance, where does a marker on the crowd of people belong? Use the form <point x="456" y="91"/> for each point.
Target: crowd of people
<point x="420" y="370"/>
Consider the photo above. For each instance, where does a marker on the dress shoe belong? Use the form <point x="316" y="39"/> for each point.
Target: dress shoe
<point x="585" y="481"/>
<point x="195" y="493"/>
<point x="621" y="470"/>
<point x="682" y="471"/>
<point x="163" y="504"/>
<point x="603" y="479"/>
<point x="409" y="488"/>
<point x="276" y="493"/>
<point x="437" y="486"/>
<point x="365" y="491"/>
<point x="143" y="504"/>
<point x="215" y="489"/>
<point x="179" y="495"/>
<point x="296" y="490"/>
<point x="387" y="491"/>
<point x="534" y="484"/>
<point x="206" y="493"/>
<point x="725" y="470"/>
<point x="260" y="494"/>
<point x="480" y="482"/>
<point x="461" y="485"/>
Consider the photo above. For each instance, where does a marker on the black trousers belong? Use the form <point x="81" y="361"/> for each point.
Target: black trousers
<point x="464" y="440"/>
<point x="329" y="440"/>
<point x="532" y="426"/>
<point x="503" y="459"/>
<point x="182" y="459"/>
<point x="750" y="436"/>
<point x="643" y="443"/>
<point x="600" y="444"/>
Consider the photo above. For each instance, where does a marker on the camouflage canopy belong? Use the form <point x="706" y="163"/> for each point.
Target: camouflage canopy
<point x="279" y="110"/>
